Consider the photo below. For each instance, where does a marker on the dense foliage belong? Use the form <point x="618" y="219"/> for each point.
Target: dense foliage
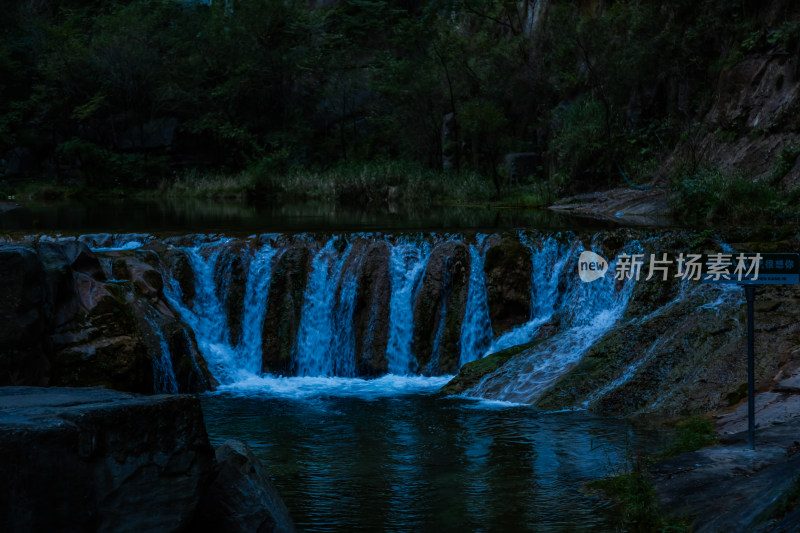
<point x="89" y="88"/>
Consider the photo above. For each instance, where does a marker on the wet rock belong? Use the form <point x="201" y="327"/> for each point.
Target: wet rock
<point x="439" y="309"/>
<point x="180" y="268"/>
<point x="728" y="487"/>
<point x="471" y="373"/>
<point x="242" y="498"/>
<point x="284" y="306"/>
<point x="103" y="347"/>
<point x="508" y="284"/>
<point x="100" y="460"/>
<point x="230" y="277"/>
<point x="25" y="316"/>
<point x="371" y="314"/>
<point x="686" y="357"/>
<point x="74" y="327"/>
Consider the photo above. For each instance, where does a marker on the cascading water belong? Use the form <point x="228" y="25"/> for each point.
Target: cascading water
<point x="164" y="380"/>
<point x="549" y="258"/>
<point x="255" y="308"/>
<point x="587" y="312"/>
<point x="325" y="342"/>
<point x="316" y="337"/>
<point x="476" y="330"/>
<point x="206" y="315"/>
<point x="407" y="265"/>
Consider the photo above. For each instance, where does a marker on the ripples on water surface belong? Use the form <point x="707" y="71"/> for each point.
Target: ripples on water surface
<point x="350" y="454"/>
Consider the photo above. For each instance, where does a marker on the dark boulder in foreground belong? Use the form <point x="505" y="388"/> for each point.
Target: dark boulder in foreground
<point x="99" y="460"/>
<point x="92" y="459"/>
<point x="242" y="497"/>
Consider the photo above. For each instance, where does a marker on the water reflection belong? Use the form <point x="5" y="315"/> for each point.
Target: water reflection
<point x="425" y="464"/>
<point x="239" y="218"/>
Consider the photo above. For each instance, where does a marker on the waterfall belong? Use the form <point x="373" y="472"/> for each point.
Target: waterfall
<point x="549" y="259"/>
<point x="588" y="311"/>
<point x="476" y="330"/>
<point x="407" y="265"/>
<point x="248" y="353"/>
<point x="164" y="380"/>
<point x="313" y="354"/>
<point x="323" y="332"/>
<point x="206" y="317"/>
<point x="343" y="340"/>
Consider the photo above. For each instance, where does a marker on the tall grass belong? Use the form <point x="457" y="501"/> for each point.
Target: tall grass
<point x="197" y="184"/>
<point x="374" y="183"/>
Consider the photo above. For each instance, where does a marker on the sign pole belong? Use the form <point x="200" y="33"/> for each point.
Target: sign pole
<point x="765" y="269"/>
<point x="750" y="295"/>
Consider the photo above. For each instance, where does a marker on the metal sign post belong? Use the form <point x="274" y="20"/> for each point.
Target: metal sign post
<point x="750" y="296"/>
<point x="772" y="269"/>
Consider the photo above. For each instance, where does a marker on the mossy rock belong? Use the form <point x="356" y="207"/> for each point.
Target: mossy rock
<point x="444" y="290"/>
<point x="284" y="307"/>
<point x="471" y="373"/>
<point x="371" y="312"/>
<point x="508" y="270"/>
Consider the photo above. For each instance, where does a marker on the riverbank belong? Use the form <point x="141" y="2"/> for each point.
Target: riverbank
<point x="368" y="185"/>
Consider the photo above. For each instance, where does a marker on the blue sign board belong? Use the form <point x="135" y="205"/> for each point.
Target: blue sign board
<point x="751" y="268"/>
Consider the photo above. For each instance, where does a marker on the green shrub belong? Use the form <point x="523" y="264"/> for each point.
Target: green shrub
<point x="633" y="491"/>
<point x="691" y="434"/>
<point x="711" y="194"/>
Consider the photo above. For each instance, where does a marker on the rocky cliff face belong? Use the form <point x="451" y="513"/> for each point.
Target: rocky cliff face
<point x="71" y="320"/>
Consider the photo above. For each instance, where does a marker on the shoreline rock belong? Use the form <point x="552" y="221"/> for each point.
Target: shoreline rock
<point x="93" y="459"/>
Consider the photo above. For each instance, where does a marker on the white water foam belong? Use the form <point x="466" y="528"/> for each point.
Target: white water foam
<point x="319" y="386"/>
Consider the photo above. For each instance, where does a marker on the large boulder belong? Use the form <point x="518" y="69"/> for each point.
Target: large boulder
<point x="439" y="309"/>
<point x="242" y="498"/>
<point x="98" y="460"/>
<point x="508" y="270"/>
<point x="371" y="314"/>
<point x="284" y="307"/>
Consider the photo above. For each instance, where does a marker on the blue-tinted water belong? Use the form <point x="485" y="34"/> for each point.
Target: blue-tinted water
<point x="351" y="455"/>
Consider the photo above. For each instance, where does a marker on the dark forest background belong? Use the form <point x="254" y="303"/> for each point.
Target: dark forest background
<point x="132" y="93"/>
